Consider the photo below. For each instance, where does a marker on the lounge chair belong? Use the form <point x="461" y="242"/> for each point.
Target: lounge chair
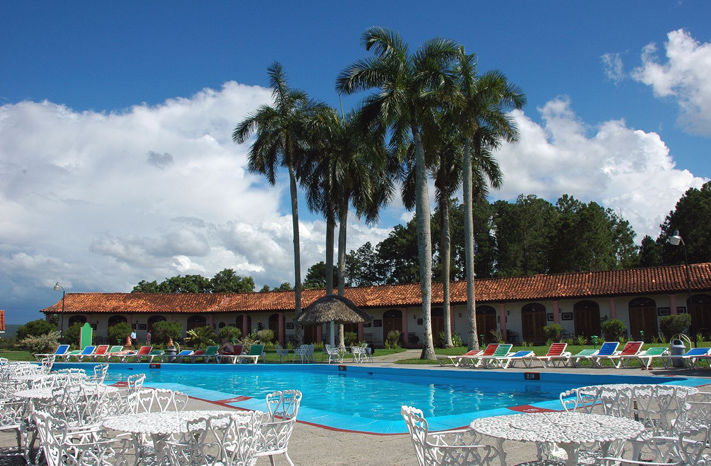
<point x="113" y="351"/>
<point x="647" y="356"/>
<point x="473" y="361"/>
<point x="694" y="355"/>
<point x="225" y="355"/>
<point x="153" y="355"/>
<point x="59" y="352"/>
<point x="208" y="353"/>
<point x="186" y="353"/>
<point x="607" y="351"/>
<point x="501" y="352"/>
<point x="88" y="351"/>
<point x="584" y="354"/>
<point x="456" y="360"/>
<point x="143" y="351"/>
<point x="445" y="447"/>
<point x="100" y="352"/>
<point x="555" y="356"/>
<point x="631" y="349"/>
<point x="70" y="354"/>
<point x="527" y="356"/>
<point x="255" y="352"/>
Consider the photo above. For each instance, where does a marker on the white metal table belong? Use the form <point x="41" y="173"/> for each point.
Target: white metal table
<point x="568" y="430"/>
<point x="46" y="393"/>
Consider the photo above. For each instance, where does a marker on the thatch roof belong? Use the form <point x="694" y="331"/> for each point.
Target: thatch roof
<point x="333" y="308"/>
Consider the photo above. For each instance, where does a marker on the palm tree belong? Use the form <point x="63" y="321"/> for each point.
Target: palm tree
<point x="411" y="91"/>
<point x="483" y="123"/>
<point x="281" y="131"/>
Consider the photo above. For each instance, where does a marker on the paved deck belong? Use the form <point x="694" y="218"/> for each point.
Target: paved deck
<point x="311" y="445"/>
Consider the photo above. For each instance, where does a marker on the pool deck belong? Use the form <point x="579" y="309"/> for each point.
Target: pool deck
<point x="312" y="445"/>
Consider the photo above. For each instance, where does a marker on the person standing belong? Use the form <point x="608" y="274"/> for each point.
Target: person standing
<point x="133" y="338"/>
<point x="148" y="338"/>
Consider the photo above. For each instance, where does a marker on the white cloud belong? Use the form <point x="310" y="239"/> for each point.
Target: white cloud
<point x="100" y="201"/>
<point x="628" y="170"/>
<point x="612" y="66"/>
<point x="684" y="77"/>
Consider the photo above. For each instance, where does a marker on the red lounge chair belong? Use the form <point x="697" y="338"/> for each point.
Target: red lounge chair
<point x="632" y="348"/>
<point x="100" y="352"/>
<point x="555" y="356"/>
<point x="456" y="360"/>
<point x="473" y="361"/>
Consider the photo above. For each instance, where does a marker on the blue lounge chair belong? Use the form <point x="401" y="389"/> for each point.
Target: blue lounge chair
<point x="694" y="355"/>
<point x="61" y="351"/>
<point x="87" y="351"/>
<point x="607" y="350"/>
<point x="527" y="356"/>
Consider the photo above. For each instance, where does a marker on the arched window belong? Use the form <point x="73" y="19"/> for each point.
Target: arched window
<point x="533" y="319"/>
<point x="587" y="318"/>
<point x="113" y="320"/>
<point x="77" y="320"/>
<point x="195" y="321"/>
<point x="643" y="319"/>
<point x="152" y="320"/>
<point x="486" y="323"/>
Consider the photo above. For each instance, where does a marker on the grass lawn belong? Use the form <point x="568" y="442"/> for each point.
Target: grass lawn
<point x="13" y="355"/>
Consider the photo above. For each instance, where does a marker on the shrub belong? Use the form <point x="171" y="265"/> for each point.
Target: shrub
<point x="71" y="335"/>
<point x="580" y="340"/>
<point x="392" y="339"/>
<point x="118" y="333"/>
<point x="350" y="338"/>
<point x="553" y="331"/>
<point x="35" y="328"/>
<point x="265" y="335"/>
<point x="45" y="343"/>
<point x="671" y="325"/>
<point x="201" y="337"/>
<point x="613" y="330"/>
<point x="457" y="340"/>
<point x="229" y="333"/>
<point x="165" y="330"/>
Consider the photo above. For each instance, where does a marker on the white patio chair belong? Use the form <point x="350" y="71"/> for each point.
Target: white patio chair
<point x="275" y="432"/>
<point x="134" y="382"/>
<point x="12" y="418"/>
<point x="100" y="371"/>
<point x="46" y="364"/>
<point x="226" y="439"/>
<point x="64" y="445"/>
<point x="334" y="353"/>
<point x="305" y="353"/>
<point x="684" y="448"/>
<point x="453" y="447"/>
<point x="160" y="400"/>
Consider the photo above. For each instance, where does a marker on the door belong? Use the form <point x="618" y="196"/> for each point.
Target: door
<point x="486" y="323"/>
<point x="392" y="320"/>
<point x="437" y="326"/>
<point x="643" y="318"/>
<point x="533" y="319"/>
<point x="700" y="308"/>
<point x="587" y="318"/>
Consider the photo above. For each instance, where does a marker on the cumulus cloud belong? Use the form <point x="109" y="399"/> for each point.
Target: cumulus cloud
<point x="103" y="200"/>
<point x="612" y="66"/>
<point x="684" y="77"/>
<point x="628" y="170"/>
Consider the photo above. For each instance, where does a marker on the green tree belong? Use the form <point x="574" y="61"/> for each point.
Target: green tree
<point x="200" y="337"/>
<point x="118" y="333"/>
<point x="265" y="289"/>
<point x="280" y="133"/>
<point x="146" y="287"/>
<point x="285" y="286"/>
<point x="482" y="122"/>
<point x="650" y="252"/>
<point x="362" y="266"/>
<point x="316" y="276"/>
<point x="692" y="218"/>
<point x="34" y="328"/>
<point x="165" y="330"/>
<point x="72" y="334"/>
<point x="229" y="333"/>
<point x="227" y="281"/>
<point x="397" y="255"/>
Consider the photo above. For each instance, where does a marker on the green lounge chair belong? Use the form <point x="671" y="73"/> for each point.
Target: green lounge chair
<point x="255" y="352"/>
<point x="501" y="352"/>
<point x="646" y="357"/>
<point x="113" y="351"/>
<point x="209" y="353"/>
<point x="155" y="354"/>
<point x="585" y="354"/>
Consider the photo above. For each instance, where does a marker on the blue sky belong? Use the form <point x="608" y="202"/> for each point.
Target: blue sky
<point x="108" y="112"/>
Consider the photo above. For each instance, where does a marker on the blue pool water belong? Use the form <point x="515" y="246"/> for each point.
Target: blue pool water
<point x="368" y="399"/>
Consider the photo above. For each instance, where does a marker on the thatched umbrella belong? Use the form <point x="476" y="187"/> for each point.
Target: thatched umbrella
<point x="333" y="308"/>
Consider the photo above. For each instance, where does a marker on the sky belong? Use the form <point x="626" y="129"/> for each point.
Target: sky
<point x="116" y="158"/>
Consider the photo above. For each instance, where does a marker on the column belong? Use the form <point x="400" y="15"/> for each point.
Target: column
<point x="404" y="336"/>
<point x="244" y="325"/>
<point x="451" y="319"/>
<point x="556" y="312"/>
<point x="672" y="303"/>
<point x="281" y="328"/>
<point x="211" y="320"/>
<point x="613" y="309"/>
<point x="502" y="320"/>
<point x="318" y="333"/>
<point x="361" y="336"/>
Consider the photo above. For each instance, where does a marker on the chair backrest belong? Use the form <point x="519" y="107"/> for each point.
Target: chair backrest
<point x="502" y="350"/>
<point x="88" y="350"/>
<point x="417" y="427"/>
<point x="157" y="352"/>
<point x="61" y="349"/>
<point x="144" y="350"/>
<point x="256" y="350"/>
<point x="520" y="354"/>
<point x="697" y="352"/>
<point x="161" y="400"/>
<point x="238" y="349"/>
<point x="185" y="352"/>
<point x="473" y="352"/>
<point x="655" y="351"/>
<point x="235" y="436"/>
<point x="608" y="348"/>
<point x="134" y="382"/>
<point x="116" y="349"/>
<point x="490" y="349"/>
<point x="556" y="349"/>
<point x="101" y="350"/>
<point x="211" y="350"/>
<point x="631" y="348"/>
<point x="586" y="352"/>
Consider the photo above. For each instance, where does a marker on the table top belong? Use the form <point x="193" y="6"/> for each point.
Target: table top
<point x="34" y="377"/>
<point x="639" y="388"/>
<point x="558" y="427"/>
<point x="168" y="422"/>
<point x="46" y="393"/>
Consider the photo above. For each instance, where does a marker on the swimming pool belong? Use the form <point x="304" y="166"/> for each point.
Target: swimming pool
<point x="368" y="399"/>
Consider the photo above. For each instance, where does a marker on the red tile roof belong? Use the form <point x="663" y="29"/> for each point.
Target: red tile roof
<point x="645" y="281"/>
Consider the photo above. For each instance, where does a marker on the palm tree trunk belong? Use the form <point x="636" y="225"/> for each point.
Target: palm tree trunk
<point x="444" y="256"/>
<point x="424" y="244"/>
<point x="297" y="256"/>
<point x="473" y="340"/>
<point x="342" y="229"/>
<point x="330" y="228"/>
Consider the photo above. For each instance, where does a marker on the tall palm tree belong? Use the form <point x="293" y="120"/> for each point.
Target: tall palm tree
<point x="281" y="131"/>
<point x="482" y="120"/>
<point x="412" y="87"/>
